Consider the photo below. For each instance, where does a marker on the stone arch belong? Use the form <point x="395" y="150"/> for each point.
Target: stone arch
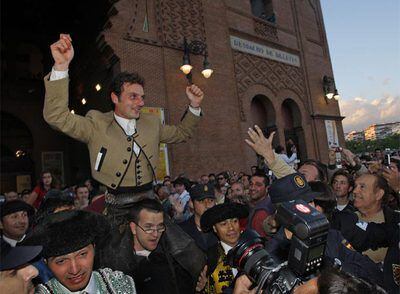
<point x="295" y="122"/>
<point x="259" y="106"/>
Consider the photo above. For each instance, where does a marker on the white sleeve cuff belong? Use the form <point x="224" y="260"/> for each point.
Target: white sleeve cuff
<point x="195" y="111"/>
<point x="58" y="74"/>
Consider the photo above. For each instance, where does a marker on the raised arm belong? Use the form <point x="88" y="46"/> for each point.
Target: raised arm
<point x="185" y="129"/>
<point x="55" y="111"/>
<point x="62" y="52"/>
<point x="263" y="147"/>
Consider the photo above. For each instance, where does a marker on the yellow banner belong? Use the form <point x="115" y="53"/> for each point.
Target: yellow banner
<point x="163" y="162"/>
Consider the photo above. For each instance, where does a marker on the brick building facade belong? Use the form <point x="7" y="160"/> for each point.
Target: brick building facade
<point x="269" y="58"/>
<point x="245" y="89"/>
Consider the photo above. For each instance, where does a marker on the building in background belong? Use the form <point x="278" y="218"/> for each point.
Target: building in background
<point x="381" y="131"/>
<point x="269" y="60"/>
<point x="355" y="136"/>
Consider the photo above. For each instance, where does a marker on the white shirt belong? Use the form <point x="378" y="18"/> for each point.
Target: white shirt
<point x="128" y="125"/>
<point x="340" y="207"/>
<point x="91" y="288"/>
<point x="184" y="198"/>
<point x="13" y="242"/>
<point x="226" y="248"/>
<point x="143" y="252"/>
<point x="288" y="160"/>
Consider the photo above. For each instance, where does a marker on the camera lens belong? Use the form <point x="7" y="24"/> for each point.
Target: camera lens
<point x="250" y="256"/>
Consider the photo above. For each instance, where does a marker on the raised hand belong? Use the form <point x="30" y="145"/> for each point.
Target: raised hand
<point x="195" y="95"/>
<point x="260" y="144"/>
<point x="62" y="52"/>
<point x="349" y="156"/>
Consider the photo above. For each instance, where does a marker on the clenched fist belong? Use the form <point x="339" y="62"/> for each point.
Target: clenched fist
<point x="62" y="52"/>
<point x="195" y="95"/>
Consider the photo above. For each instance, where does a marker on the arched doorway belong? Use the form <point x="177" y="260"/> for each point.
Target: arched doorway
<point x="16" y="152"/>
<point x="263" y="114"/>
<point x="293" y="128"/>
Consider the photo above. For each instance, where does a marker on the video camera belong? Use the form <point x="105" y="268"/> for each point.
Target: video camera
<point x="310" y="230"/>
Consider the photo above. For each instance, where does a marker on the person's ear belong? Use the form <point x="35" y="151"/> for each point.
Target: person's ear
<point x="215" y="229"/>
<point x="114" y="98"/>
<point x="380" y="194"/>
<point x="133" y="226"/>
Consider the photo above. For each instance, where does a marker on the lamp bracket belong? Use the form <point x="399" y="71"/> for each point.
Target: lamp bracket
<point x="197" y="47"/>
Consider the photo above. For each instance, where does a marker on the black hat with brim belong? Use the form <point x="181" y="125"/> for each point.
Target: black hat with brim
<point x="201" y="191"/>
<point x="68" y="231"/>
<point x="291" y="187"/>
<point x="14" y="257"/>
<point x="221" y="212"/>
<point x="12" y="206"/>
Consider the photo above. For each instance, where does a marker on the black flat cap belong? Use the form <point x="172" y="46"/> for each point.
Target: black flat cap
<point x="200" y="192"/>
<point x="291" y="187"/>
<point x="10" y="207"/>
<point x="68" y="231"/>
<point x="221" y="212"/>
<point x="14" y="257"/>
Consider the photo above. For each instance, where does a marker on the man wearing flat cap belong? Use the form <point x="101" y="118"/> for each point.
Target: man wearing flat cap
<point x="223" y="220"/>
<point x="69" y="240"/>
<point x="201" y="199"/>
<point x="16" y="271"/>
<point x="15" y="221"/>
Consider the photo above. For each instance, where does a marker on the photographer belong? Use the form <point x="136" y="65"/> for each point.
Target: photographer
<point x="338" y="251"/>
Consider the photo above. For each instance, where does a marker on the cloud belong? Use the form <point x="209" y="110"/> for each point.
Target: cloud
<point x="361" y="112"/>
<point x="360" y="99"/>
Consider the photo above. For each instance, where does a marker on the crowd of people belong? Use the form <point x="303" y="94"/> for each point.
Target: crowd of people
<point x="120" y="233"/>
<point x="213" y="210"/>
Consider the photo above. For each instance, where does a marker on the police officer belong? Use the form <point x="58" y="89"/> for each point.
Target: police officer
<point x="202" y="198"/>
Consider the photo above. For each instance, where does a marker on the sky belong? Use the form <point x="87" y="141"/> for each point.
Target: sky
<point x="364" y="44"/>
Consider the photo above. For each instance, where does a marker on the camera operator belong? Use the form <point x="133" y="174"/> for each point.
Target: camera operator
<point x="338" y="251"/>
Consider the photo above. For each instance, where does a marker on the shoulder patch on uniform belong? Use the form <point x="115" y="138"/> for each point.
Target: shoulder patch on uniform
<point x="348" y="245"/>
<point x="299" y="181"/>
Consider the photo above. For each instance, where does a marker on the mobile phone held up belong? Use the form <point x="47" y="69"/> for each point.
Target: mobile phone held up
<point x="386" y="160"/>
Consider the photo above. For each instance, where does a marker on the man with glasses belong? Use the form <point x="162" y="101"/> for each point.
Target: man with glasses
<point x="153" y="267"/>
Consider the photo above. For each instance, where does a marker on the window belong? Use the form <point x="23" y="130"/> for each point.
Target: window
<point x="263" y="9"/>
